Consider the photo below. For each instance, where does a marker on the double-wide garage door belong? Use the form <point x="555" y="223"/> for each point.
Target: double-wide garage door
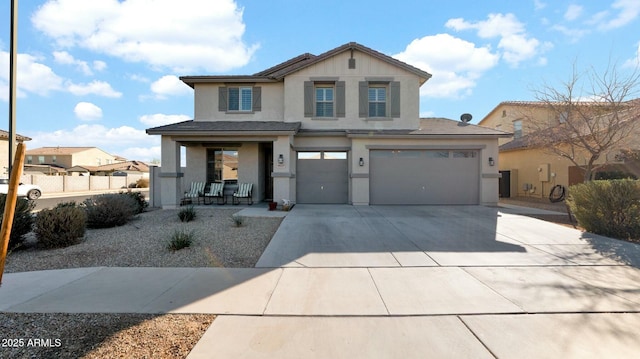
<point x="424" y="177"/>
<point x="322" y="177"/>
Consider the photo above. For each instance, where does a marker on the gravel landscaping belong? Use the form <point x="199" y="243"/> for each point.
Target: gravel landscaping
<point x="142" y="243"/>
<point x="218" y="242"/>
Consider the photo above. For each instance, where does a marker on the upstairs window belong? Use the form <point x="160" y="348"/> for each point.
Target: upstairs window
<point x="40" y="159"/>
<point x="377" y="101"/>
<point x="517" y="129"/>
<point x="324" y="101"/>
<point x="324" y="98"/>
<point x="239" y="99"/>
<point x="379" y="98"/>
<point x="30" y="159"/>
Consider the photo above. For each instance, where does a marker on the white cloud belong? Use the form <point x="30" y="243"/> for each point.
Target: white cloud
<point x="539" y="5"/>
<point x="65" y="58"/>
<point x="573" y="12"/>
<point x="455" y="64"/>
<point x="95" y="87"/>
<point x="170" y="85"/>
<point x="33" y="76"/>
<point x="573" y="34"/>
<point x="625" y="12"/>
<point x="99" y="65"/>
<point x="196" y="35"/>
<point x="635" y="61"/>
<point x="146" y="154"/>
<point x="87" y="111"/>
<point x="515" y="43"/>
<point x="160" y="119"/>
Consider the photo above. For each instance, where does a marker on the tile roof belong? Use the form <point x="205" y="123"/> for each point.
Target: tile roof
<point x="5" y="135"/>
<point x="437" y="127"/>
<point x="57" y="150"/>
<point x="278" y="72"/>
<point x="207" y="127"/>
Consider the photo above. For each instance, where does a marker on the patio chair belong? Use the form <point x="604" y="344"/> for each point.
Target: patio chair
<point x="243" y="191"/>
<point x="196" y="191"/>
<point x="216" y="190"/>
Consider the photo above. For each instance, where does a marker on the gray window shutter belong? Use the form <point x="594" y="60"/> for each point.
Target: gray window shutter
<point x="363" y="99"/>
<point x="257" y="99"/>
<point x="222" y="99"/>
<point x="308" y="99"/>
<point x="340" y="99"/>
<point x="394" y="88"/>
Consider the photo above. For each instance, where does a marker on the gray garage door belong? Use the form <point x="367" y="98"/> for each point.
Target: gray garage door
<point x="322" y="177"/>
<point x="424" y="177"/>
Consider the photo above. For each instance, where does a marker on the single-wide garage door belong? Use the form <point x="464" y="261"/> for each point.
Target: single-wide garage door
<point x="322" y="177"/>
<point x="424" y="177"/>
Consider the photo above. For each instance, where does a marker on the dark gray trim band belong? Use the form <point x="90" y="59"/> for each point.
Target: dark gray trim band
<point x="283" y="175"/>
<point x="425" y="147"/>
<point x="490" y="175"/>
<point x="359" y="175"/>
<point x="171" y="174"/>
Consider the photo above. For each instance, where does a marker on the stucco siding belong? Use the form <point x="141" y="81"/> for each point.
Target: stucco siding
<point x="272" y="102"/>
<point x="366" y="67"/>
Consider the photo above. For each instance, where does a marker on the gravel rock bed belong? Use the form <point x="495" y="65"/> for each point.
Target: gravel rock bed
<point x="56" y="335"/>
<point x="218" y="242"/>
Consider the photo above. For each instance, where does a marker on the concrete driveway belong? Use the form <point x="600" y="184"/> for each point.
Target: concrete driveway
<point x="424" y="236"/>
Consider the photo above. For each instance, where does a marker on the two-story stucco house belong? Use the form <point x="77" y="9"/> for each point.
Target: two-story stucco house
<point x="340" y="127"/>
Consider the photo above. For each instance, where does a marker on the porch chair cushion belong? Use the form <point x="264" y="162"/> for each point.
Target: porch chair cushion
<point x="243" y="191"/>
<point x="196" y="190"/>
<point x="216" y="190"/>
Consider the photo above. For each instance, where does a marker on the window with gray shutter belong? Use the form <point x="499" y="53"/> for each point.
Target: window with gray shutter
<point x="394" y="89"/>
<point x="222" y="99"/>
<point x="308" y="99"/>
<point x="340" y="99"/>
<point x="363" y="99"/>
<point x="324" y="98"/>
<point x="257" y="99"/>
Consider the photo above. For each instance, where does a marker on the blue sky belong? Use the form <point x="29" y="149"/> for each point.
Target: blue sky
<point x="99" y="72"/>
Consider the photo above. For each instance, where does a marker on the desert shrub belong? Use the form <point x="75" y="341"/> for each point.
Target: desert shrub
<point x="611" y="175"/>
<point x="238" y="220"/>
<point x="22" y="220"/>
<point x="60" y="227"/>
<point x="180" y="239"/>
<point x="66" y="204"/>
<point x="141" y="203"/>
<point x="109" y="210"/>
<point x="187" y="214"/>
<point x="610" y="208"/>
<point x="142" y="183"/>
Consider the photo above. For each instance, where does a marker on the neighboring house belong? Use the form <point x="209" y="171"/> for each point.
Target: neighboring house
<point x="527" y="170"/>
<point x="340" y="127"/>
<point x="69" y="156"/>
<point x="123" y="168"/>
<point x="4" y="151"/>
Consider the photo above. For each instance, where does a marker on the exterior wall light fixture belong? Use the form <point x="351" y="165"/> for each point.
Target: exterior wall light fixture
<point x="491" y="161"/>
<point x="280" y="159"/>
<point x="361" y="162"/>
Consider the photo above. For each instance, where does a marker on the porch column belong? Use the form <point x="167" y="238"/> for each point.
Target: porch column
<point x="170" y="173"/>
<point x="283" y="169"/>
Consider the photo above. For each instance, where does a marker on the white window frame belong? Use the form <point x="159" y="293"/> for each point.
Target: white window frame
<point x="377" y="100"/>
<point x="245" y="96"/>
<point x="517" y="128"/>
<point x="332" y="101"/>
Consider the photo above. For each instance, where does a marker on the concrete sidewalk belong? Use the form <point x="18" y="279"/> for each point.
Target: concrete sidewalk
<point x="384" y="282"/>
<point x="447" y="312"/>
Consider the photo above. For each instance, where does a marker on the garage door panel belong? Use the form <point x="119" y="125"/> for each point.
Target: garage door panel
<point x="322" y="181"/>
<point x="424" y="177"/>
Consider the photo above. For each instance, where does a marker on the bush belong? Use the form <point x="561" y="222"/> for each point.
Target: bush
<point x="610" y="208"/>
<point x="179" y="240"/>
<point x="187" y="214"/>
<point x="141" y="203"/>
<point x="142" y="183"/>
<point x="611" y="175"/>
<point x="238" y="220"/>
<point x="22" y="220"/>
<point x="60" y="227"/>
<point x="109" y="210"/>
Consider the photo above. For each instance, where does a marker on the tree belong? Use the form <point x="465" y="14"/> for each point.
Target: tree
<point x="588" y="126"/>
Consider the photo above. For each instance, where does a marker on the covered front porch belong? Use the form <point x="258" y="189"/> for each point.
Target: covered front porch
<point x="259" y="153"/>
